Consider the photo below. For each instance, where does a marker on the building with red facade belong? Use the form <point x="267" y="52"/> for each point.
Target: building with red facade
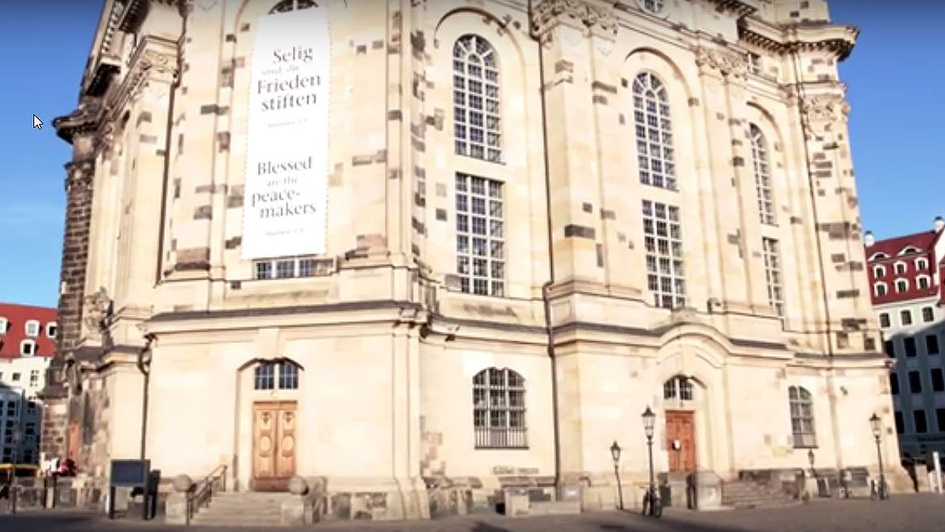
<point x="906" y="279"/>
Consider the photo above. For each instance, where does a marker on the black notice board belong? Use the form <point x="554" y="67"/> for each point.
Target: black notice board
<point x="130" y="473"/>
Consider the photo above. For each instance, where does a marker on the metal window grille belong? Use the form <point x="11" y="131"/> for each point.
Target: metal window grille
<point x="802" y="417"/>
<point x="654" y="132"/>
<point x="762" y="166"/>
<point x="662" y="237"/>
<point x="476" y="117"/>
<point x="772" y="256"/>
<point x="499" y="410"/>
<point x="288" y="376"/>
<point x="480" y="235"/>
<point x="265" y="377"/>
<point x="292" y="5"/>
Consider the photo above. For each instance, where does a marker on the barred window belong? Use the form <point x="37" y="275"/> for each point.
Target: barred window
<point x="480" y="235"/>
<point x="759" y="153"/>
<point x="654" y="132"/>
<point x="476" y="114"/>
<point x="282" y="375"/>
<point x="662" y="236"/>
<point x="499" y="409"/>
<point x="679" y="388"/>
<point x="772" y="255"/>
<point x="802" y="417"/>
<point x="292" y="5"/>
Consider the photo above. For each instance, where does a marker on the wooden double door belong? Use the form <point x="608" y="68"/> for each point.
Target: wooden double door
<point x="274" y="438"/>
<point x="681" y="441"/>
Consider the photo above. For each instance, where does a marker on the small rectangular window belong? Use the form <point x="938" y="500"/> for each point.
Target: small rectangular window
<point x="940" y="418"/>
<point x="264" y="270"/>
<point x="906" y="317"/>
<point x="884" y="320"/>
<point x="921" y="426"/>
<point x="34" y="377"/>
<point x="285" y="269"/>
<point x="16" y="377"/>
<point x="931" y="344"/>
<point x="893" y="384"/>
<point x="915" y="382"/>
<point x="889" y="348"/>
<point x="900" y="428"/>
<point x="909" y="344"/>
<point x="938" y="383"/>
<point x="754" y="63"/>
<point x="928" y="315"/>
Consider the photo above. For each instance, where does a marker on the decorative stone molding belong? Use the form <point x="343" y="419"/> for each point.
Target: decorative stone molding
<point x="98" y="313"/>
<point x="726" y="63"/>
<point x="82" y="120"/>
<point x="819" y="112"/>
<point x="548" y="14"/>
<point x="813" y="36"/>
<point x="155" y="59"/>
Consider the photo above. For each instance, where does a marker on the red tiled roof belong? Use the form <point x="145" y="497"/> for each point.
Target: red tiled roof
<point x="17" y="316"/>
<point x="892" y="246"/>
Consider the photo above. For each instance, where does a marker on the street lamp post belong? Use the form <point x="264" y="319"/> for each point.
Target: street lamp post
<point x="615" y="454"/>
<point x="651" y="504"/>
<point x="876" y="424"/>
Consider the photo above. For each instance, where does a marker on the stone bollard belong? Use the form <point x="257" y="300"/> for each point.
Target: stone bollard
<point x="176" y="508"/>
<point x="296" y="511"/>
<point x="706" y="490"/>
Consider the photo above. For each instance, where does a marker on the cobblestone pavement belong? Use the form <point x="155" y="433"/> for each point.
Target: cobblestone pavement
<point x="902" y="513"/>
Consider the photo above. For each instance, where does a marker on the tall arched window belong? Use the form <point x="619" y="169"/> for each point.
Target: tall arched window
<point x="499" y="409"/>
<point x="759" y="154"/>
<point x="476" y="99"/>
<point x="292" y="5"/>
<point x="802" y="417"/>
<point x="654" y="132"/>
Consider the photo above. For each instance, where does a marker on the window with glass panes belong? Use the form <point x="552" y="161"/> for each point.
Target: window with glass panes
<point x="662" y="237"/>
<point x="282" y="375"/>
<point x="759" y="153"/>
<point x="802" y="417"/>
<point x="931" y="344"/>
<point x="476" y="119"/>
<point x="884" y="320"/>
<point x="921" y="424"/>
<point x="654" y="6"/>
<point x="499" y="409"/>
<point x="772" y="256"/>
<point x="678" y="388"/>
<point x="654" y="132"/>
<point x="480" y="235"/>
<point x="285" y="268"/>
<point x="928" y="315"/>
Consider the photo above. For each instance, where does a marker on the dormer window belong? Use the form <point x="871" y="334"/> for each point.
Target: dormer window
<point x="909" y="250"/>
<point x="32" y="328"/>
<point x="879" y="256"/>
<point x="921" y="264"/>
<point x="900" y="268"/>
<point x="27" y="348"/>
<point x="51" y="329"/>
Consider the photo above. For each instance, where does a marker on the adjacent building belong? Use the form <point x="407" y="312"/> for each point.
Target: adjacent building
<point x="906" y="278"/>
<point x="421" y="251"/>
<point x="27" y="344"/>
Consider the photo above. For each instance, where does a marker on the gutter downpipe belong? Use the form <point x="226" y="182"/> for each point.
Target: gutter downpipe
<point x="549" y="326"/>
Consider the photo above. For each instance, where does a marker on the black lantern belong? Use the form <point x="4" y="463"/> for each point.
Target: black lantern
<point x="615" y="452"/>
<point x="649" y="421"/>
<point x="876" y="424"/>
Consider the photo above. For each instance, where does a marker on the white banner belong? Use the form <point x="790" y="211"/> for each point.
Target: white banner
<point x="285" y="203"/>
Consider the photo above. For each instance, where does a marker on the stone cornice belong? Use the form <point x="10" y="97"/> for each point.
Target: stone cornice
<point x="103" y="63"/>
<point x="807" y="36"/>
<point x="83" y="120"/>
<point x="582" y="14"/>
<point x="154" y="59"/>
<point x="728" y="64"/>
<point x="740" y="8"/>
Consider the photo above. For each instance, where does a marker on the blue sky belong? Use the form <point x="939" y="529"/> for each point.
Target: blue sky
<point x="895" y="76"/>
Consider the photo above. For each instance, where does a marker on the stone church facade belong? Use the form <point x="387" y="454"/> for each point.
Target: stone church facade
<point x="532" y="220"/>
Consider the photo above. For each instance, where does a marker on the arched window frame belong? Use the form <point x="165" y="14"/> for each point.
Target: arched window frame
<point x="880" y="288"/>
<point x="679" y="388"/>
<point x="499" y="409"/>
<point x="878" y="256"/>
<point x="653" y="126"/>
<point x="477" y="99"/>
<point x="292" y="5"/>
<point x="762" y="167"/>
<point x="282" y="374"/>
<point x="921" y="263"/>
<point x="803" y="428"/>
<point x="923" y="282"/>
<point x="879" y="271"/>
<point x="900" y="267"/>
<point x="902" y="285"/>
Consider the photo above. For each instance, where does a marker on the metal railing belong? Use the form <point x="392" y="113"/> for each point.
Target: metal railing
<point x="202" y="492"/>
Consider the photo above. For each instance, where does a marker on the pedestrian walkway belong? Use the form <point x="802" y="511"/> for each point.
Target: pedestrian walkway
<point x="902" y="513"/>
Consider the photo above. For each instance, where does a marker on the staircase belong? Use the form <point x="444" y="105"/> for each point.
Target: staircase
<point x="245" y="508"/>
<point x="743" y="495"/>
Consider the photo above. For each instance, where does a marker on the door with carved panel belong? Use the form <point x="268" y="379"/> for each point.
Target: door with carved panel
<point x="274" y="424"/>
<point x="681" y="441"/>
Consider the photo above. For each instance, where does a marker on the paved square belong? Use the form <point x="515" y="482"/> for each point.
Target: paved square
<point x="902" y="513"/>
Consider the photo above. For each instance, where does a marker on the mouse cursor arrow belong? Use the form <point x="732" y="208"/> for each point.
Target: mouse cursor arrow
<point x="37" y="123"/>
